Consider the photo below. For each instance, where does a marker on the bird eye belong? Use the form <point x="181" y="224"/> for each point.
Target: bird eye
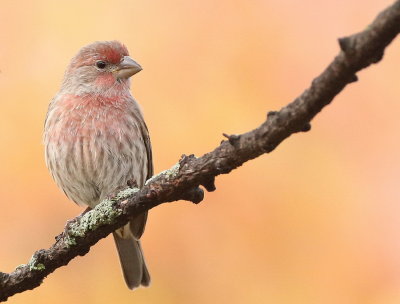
<point x="101" y="64"/>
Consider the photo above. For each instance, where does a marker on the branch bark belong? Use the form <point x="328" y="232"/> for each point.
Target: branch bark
<point x="182" y="181"/>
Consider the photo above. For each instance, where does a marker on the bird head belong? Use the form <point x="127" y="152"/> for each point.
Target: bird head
<point x="100" y="65"/>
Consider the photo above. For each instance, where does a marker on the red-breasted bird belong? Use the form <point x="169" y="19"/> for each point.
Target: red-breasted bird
<point x="96" y="141"/>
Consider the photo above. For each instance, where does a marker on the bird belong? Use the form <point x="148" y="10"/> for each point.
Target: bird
<point x="96" y="141"/>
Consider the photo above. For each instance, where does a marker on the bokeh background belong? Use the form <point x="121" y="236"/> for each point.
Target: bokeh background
<point x="316" y="221"/>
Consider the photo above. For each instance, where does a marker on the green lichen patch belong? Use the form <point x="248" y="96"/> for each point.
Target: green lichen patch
<point x="125" y="193"/>
<point x="103" y="214"/>
<point x="33" y="265"/>
<point x="170" y="173"/>
<point x="70" y="241"/>
<point x="39" y="266"/>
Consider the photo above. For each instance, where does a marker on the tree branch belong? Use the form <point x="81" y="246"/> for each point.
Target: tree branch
<point x="183" y="180"/>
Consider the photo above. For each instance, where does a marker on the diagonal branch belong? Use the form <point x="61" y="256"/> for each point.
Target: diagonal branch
<point x="183" y="180"/>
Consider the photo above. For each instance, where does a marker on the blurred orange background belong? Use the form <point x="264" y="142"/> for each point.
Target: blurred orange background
<point x="316" y="221"/>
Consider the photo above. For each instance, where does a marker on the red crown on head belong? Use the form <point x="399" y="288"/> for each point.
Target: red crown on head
<point x="110" y="51"/>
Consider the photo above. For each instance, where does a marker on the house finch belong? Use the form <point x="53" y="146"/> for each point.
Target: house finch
<point x="96" y="141"/>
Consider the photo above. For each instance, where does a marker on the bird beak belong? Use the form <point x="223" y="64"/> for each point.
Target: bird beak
<point x="126" y="68"/>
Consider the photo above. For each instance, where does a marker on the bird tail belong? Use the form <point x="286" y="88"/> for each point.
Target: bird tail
<point x="132" y="260"/>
